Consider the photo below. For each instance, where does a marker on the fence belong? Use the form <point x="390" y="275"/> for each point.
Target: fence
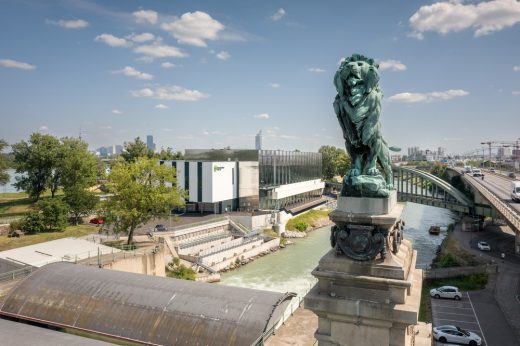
<point x="443" y="273"/>
<point x="17" y="273"/>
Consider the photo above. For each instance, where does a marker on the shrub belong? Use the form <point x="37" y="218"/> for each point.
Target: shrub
<point x="182" y="272"/>
<point x="301" y="226"/>
<point x="15" y="225"/>
<point x="448" y="260"/>
<point x="54" y="214"/>
<point x="33" y="223"/>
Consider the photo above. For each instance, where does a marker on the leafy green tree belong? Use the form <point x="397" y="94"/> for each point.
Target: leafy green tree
<point x="135" y="150"/>
<point x="77" y="166"/>
<point x="4" y="177"/>
<point x="139" y="194"/>
<point x="36" y="162"/>
<point x="33" y="222"/>
<point x="81" y="203"/>
<point x="54" y="213"/>
<point x="169" y="154"/>
<point x="334" y="161"/>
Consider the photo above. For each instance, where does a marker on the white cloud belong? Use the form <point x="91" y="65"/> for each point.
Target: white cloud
<point x="112" y="40"/>
<point x="69" y="24"/>
<point x="161" y="106"/>
<point x="167" y="64"/>
<point x="516" y="92"/>
<point x="278" y="14"/>
<point x="452" y="16"/>
<point x="194" y="28"/>
<point x="213" y="133"/>
<point x="145" y="16"/>
<point x="417" y="35"/>
<point x="129" y="71"/>
<point x="223" y="55"/>
<point x="274" y="85"/>
<point x="43" y="128"/>
<point x="140" y="38"/>
<point x="160" y="51"/>
<point x="172" y="92"/>
<point x="16" y="64"/>
<point x="316" y="70"/>
<point x="394" y="65"/>
<point x="116" y="112"/>
<point x="516" y="68"/>
<point x="262" y="116"/>
<point x="427" y="97"/>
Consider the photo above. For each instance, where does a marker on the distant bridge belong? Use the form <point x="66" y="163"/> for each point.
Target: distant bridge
<point x="418" y="186"/>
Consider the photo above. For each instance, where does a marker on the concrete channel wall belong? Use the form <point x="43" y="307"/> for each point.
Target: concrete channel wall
<point x="194" y="250"/>
<point x="443" y="273"/>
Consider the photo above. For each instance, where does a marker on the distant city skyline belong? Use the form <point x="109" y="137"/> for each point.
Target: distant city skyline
<point x="210" y="74"/>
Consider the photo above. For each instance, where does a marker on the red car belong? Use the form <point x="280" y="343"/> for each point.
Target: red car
<point x="97" y="221"/>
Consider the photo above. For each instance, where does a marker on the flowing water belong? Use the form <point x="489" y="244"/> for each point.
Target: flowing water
<point x="9" y="186"/>
<point x="289" y="270"/>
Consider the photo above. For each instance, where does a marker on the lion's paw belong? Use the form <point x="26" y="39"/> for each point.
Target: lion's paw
<point x="390" y="186"/>
<point x="354" y="172"/>
<point x="372" y="171"/>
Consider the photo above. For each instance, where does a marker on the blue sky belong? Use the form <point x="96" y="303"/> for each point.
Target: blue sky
<point x="208" y="74"/>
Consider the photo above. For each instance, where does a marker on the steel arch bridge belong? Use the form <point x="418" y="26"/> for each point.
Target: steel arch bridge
<point x="418" y="186"/>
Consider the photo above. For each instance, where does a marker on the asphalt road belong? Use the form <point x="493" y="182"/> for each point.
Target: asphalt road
<point x="500" y="185"/>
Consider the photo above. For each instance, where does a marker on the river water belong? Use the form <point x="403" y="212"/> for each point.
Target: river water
<point x="289" y="269"/>
<point x="9" y="186"/>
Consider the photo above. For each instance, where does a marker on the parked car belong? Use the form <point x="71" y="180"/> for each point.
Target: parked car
<point x="451" y="292"/>
<point x="511" y="175"/>
<point x="482" y="245"/>
<point x="97" y="221"/>
<point x="160" y="228"/>
<point x="457" y="335"/>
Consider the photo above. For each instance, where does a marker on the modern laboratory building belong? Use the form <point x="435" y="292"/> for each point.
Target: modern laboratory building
<point x="221" y="180"/>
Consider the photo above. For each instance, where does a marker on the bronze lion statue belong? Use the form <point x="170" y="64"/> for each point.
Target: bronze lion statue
<point x="358" y="107"/>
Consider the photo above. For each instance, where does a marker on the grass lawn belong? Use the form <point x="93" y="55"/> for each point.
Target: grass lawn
<point x="71" y="231"/>
<point x="18" y="203"/>
<point x="306" y="220"/>
<point x="464" y="283"/>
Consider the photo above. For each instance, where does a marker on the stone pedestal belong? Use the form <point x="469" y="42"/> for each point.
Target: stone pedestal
<point x="371" y="302"/>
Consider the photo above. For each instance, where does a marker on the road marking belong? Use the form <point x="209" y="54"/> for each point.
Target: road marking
<point x="479" y="327"/>
<point x="452" y="313"/>
<point x="459" y="321"/>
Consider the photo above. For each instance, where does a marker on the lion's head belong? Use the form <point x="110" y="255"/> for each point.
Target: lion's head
<point x="356" y="76"/>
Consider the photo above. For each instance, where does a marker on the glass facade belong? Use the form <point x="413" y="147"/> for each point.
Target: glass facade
<point x="268" y="203"/>
<point x="287" y="167"/>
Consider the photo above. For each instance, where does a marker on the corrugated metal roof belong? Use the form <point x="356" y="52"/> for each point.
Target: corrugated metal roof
<point x="145" y="309"/>
<point x="16" y="334"/>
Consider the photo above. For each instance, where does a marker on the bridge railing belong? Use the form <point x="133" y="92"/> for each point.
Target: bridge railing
<point x="505" y="210"/>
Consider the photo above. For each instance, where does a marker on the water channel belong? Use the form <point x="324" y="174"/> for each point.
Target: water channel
<point x="290" y="269"/>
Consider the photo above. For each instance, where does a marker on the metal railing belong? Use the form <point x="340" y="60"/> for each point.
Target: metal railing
<point x="17" y="273"/>
<point x="195" y="224"/>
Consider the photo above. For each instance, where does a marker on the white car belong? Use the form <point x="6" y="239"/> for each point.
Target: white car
<point x="455" y="334"/>
<point x="483" y="246"/>
<point x="451" y="292"/>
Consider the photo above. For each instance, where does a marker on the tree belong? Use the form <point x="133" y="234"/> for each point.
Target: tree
<point x="36" y="162"/>
<point x="169" y="154"/>
<point x="139" y="194"/>
<point x="32" y="222"/>
<point x="77" y="166"/>
<point x="81" y="203"/>
<point x="4" y="177"/>
<point x="334" y="161"/>
<point x="54" y="213"/>
<point x="135" y="150"/>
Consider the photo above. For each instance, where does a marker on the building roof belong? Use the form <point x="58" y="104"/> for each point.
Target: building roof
<point x="16" y="334"/>
<point x="65" y="249"/>
<point x="144" y="309"/>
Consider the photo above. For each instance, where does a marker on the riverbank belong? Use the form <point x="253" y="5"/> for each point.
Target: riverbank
<point x="309" y="221"/>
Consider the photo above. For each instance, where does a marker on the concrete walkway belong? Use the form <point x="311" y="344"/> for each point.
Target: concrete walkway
<point x="504" y="286"/>
<point x="298" y="330"/>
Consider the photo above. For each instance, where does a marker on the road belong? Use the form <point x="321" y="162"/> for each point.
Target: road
<point x="500" y="185"/>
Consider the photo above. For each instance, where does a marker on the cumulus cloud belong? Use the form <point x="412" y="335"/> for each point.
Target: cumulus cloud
<point x="16" y="64"/>
<point x="112" y="40"/>
<point x="167" y="64"/>
<point x="140" y="38"/>
<point x="194" y="28"/>
<point x="516" y="68"/>
<point x="69" y="24"/>
<point x="161" y="106"/>
<point x="516" y="92"/>
<point x="274" y="85"/>
<point x="170" y="92"/>
<point x="132" y="72"/>
<point x="262" y="116"/>
<point x="316" y="70"/>
<point x="43" y="128"/>
<point x="145" y="16"/>
<point x="158" y="50"/>
<point x="116" y="112"/>
<point x="223" y="55"/>
<point x="394" y="65"/>
<point x="453" y="16"/>
<point x="278" y="14"/>
<point x="427" y="97"/>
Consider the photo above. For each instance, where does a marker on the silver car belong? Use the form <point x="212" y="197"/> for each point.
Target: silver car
<point x="451" y="292"/>
<point x="457" y="335"/>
